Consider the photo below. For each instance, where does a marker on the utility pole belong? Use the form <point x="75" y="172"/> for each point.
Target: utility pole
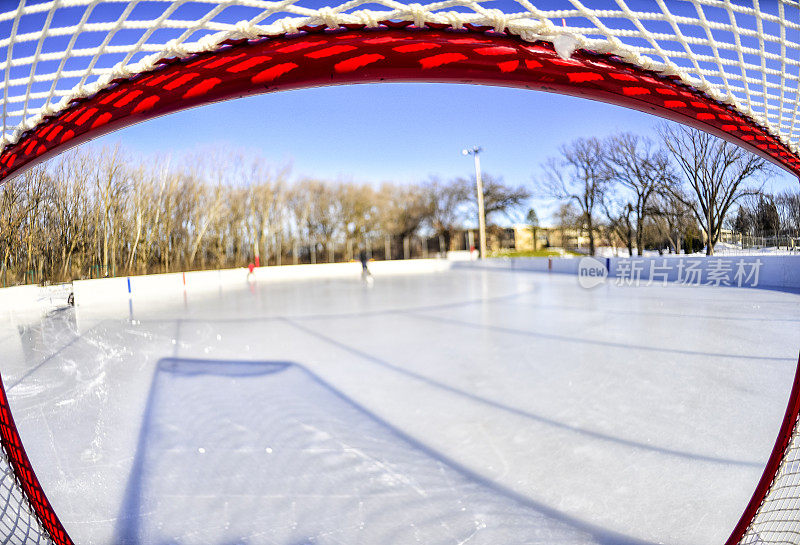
<point x="475" y="152"/>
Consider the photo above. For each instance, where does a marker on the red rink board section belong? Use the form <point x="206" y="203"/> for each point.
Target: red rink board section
<point x="26" y="478"/>
<point x="394" y="52"/>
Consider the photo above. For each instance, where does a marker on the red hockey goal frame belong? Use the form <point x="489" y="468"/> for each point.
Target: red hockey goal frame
<point x="25" y="476"/>
<point x="396" y="51"/>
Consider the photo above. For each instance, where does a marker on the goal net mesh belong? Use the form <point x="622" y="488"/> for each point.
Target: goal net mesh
<point x="778" y="518"/>
<point x="19" y="525"/>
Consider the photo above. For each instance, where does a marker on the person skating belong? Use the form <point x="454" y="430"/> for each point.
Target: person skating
<point x="365" y="274"/>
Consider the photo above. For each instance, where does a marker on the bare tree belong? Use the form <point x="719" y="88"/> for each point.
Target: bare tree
<point x="581" y="176"/>
<point x="744" y="221"/>
<point x="501" y="198"/>
<point x="789" y="208"/>
<point x="110" y="183"/>
<point x="446" y="204"/>
<point x="36" y="194"/>
<point x="95" y="213"/>
<point x="14" y="210"/>
<point x="672" y="218"/>
<point x="568" y="218"/>
<point x="360" y="215"/>
<point x="640" y="167"/>
<point x="267" y="199"/>
<point x="323" y="219"/>
<point x="621" y="223"/>
<point x="767" y="218"/>
<point x="139" y="191"/>
<point x="403" y="210"/>
<point x="716" y="174"/>
<point x="71" y="205"/>
<point x="532" y="219"/>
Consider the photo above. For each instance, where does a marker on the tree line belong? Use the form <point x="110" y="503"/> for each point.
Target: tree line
<point x="768" y="215"/>
<point x="671" y="192"/>
<point x="96" y="213"/>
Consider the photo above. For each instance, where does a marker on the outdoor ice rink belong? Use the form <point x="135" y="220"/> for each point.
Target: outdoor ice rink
<point x="459" y="407"/>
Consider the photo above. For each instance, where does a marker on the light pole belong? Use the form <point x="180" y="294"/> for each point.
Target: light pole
<point x="475" y="152"/>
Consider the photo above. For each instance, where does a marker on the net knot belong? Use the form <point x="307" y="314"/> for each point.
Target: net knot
<point x="46" y="110"/>
<point x="63" y="103"/>
<point x="671" y="69"/>
<point x="174" y="48"/>
<point x="329" y="17"/>
<point x="19" y="131"/>
<point x="532" y="30"/>
<point x="367" y="17"/>
<point x="289" y="26"/>
<point x="418" y="14"/>
<point x="121" y="70"/>
<point x="497" y="19"/>
<point x="209" y="42"/>
<point x="246" y="29"/>
<point x="454" y="19"/>
<point x="80" y="91"/>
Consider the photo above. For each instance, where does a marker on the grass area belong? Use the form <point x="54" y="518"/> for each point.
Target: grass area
<point x="544" y="252"/>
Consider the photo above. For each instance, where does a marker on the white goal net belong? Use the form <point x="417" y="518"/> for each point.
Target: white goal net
<point x="19" y="524"/>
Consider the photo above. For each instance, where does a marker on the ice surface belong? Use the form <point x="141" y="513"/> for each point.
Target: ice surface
<point x="458" y="407"/>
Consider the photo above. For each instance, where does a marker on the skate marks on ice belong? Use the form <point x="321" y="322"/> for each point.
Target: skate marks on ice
<point x="537" y="418"/>
<point x="251" y="452"/>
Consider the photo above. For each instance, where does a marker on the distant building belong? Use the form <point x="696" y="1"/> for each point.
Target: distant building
<point x="497" y="238"/>
<point x="521" y="238"/>
<point x="546" y="237"/>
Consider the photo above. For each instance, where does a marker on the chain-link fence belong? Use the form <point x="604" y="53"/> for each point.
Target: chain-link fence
<point x="734" y="243"/>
